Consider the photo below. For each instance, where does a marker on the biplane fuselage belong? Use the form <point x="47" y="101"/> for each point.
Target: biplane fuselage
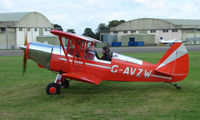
<point x="121" y="68"/>
<point x="77" y="61"/>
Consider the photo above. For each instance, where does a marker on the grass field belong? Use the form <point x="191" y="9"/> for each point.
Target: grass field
<point x="24" y="97"/>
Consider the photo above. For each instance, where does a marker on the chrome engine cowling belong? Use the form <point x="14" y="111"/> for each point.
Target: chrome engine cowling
<point x="40" y="53"/>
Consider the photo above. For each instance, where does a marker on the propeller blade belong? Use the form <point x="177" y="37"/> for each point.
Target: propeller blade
<point x="24" y="63"/>
<point x="25" y="56"/>
<point x="25" y="42"/>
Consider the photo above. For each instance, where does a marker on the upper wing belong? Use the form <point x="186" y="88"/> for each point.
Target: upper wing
<point x="71" y="35"/>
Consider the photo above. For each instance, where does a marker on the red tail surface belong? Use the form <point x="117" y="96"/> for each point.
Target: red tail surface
<point x="175" y="62"/>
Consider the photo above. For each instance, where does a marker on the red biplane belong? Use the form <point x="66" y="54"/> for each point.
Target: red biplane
<point x="77" y="61"/>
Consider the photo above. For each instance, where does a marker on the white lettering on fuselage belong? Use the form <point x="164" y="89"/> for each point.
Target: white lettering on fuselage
<point x="113" y="70"/>
<point x="126" y="71"/>
<point x="138" y="72"/>
<point x="147" y="74"/>
<point x="133" y="71"/>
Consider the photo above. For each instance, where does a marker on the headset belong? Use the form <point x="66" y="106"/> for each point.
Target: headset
<point x="107" y="49"/>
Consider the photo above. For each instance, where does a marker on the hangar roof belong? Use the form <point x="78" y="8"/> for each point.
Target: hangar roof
<point x="24" y="19"/>
<point x="183" y="21"/>
<point x="14" y="16"/>
<point x="157" y="23"/>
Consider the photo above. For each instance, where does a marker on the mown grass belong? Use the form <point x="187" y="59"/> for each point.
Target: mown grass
<point x="24" y="97"/>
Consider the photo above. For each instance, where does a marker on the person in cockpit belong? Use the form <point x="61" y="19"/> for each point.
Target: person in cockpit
<point x="106" y="54"/>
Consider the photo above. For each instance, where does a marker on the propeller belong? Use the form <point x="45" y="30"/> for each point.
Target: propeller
<point x="25" y="56"/>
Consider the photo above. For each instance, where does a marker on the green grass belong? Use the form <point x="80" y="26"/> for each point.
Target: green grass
<point x="24" y="97"/>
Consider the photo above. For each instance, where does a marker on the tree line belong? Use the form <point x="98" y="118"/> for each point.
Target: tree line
<point x="102" y="28"/>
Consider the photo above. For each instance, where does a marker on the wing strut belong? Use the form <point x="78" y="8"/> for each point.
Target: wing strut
<point x="65" y="52"/>
<point x="77" y="47"/>
<point x="82" y="55"/>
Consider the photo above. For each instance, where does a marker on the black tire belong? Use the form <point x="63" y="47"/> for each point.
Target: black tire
<point x="65" y="84"/>
<point x="53" y="89"/>
<point x="178" y="87"/>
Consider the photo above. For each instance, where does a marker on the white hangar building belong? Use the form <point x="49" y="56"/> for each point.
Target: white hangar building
<point x="153" y="29"/>
<point x="15" y="26"/>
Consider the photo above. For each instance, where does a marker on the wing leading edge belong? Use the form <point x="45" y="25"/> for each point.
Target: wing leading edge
<point x="73" y="36"/>
<point x="82" y="77"/>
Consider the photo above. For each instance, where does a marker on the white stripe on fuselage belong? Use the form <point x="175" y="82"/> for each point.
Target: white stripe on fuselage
<point x="95" y="65"/>
<point x="158" y="76"/>
<point x="106" y="67"/>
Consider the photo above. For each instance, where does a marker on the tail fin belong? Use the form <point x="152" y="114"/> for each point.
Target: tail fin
<point x="175" y="61"/>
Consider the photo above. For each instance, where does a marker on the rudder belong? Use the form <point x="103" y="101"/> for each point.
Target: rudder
<point x="175" y="62"/>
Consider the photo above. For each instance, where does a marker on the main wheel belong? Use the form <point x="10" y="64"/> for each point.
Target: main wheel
<point x="52" y="89"/>
<point x="65" y="83"/>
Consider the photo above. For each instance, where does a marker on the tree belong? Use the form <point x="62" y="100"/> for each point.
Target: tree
<point x="88" y="32"/>
<point x="57" y="27"/>
<point x="102" y="28"/>
<point x="71" y="30"/>
<point x="114" y="23"/>
<point x="122" y="21"/>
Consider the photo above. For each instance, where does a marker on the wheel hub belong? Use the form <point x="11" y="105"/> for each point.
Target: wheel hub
<point x="52" y="90"/>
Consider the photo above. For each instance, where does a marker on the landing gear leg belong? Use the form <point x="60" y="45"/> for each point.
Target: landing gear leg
<point x="176" y="85"/>
<point x="58" y="79"/>
<point x="61" y="81"/>
<point x="65" y="83"/>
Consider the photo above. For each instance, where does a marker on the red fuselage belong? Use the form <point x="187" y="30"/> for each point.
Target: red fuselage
<point x="121" y="68"/>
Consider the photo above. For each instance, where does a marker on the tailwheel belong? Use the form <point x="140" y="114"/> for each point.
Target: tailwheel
<point x="65" y="83"/>
<point x="53" y="89"/>
<point x="175" y="85"/>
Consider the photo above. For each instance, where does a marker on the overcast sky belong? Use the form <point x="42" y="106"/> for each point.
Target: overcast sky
<point x="79" y="14"/>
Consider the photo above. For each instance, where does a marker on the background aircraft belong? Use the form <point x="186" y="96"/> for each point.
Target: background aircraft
<point x="170" y="42"/>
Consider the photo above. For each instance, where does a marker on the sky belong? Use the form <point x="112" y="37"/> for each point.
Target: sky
<point x="79" y="14"/>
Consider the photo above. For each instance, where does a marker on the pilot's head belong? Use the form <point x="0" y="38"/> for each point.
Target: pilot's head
<point x="105" y="50"/>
